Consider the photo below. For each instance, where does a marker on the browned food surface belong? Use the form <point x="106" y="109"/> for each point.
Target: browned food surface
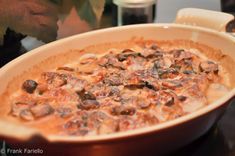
<point x="119" y="90"/>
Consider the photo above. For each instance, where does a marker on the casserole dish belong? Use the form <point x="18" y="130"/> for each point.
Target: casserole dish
<point x="158" y="139"/>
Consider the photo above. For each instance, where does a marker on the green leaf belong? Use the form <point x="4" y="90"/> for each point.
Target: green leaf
<point x="90" y="10"/>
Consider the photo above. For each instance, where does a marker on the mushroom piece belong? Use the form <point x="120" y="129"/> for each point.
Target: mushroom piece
<point x="127" y="123"/>
<point x="76" y="84"/>
<point x="87" y="58"/>
<point x="154" y="47"/>
<point x="188" y="72"/>
<point x="173" y="84"/>
<point x="19" y="106"/>
<point x="41" y="110"/>
<point x="139" y="80"/>
<point x="110" y="60"/>
<point x="182" y="98"/>
<point x="146" y="118"/>
<point x="166" y="98"/>
<point x="167" y="73"/>
<point x="75" y="126"/>
<point x="88" y="104"/>
<point x="64" y="112"/>
<point x="170" y="102"/>
<point x="141" y="85"/>
<point x="66" y="69"/>
<point x="143" y="103"/>
<point x="209" y="66"/>
<point x="96" y="118"/>
<point x="26" y="115"/>
<point x="127" y="53"/>
<point x="123" y="110"/>
<point x="88" y="100"/>
<point x="181" y="54"/>
<point x="86" y="95"/>
<point x="151" y="53"/>
<point x="113" y="79"/>
<point x="54" y="79"/>
<point x="29" y="86"/>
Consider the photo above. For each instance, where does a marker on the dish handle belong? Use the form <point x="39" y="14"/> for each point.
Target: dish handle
<point x="219" y="21"/>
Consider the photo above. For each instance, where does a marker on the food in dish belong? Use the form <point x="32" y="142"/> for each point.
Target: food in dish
<point x="118" y="90"/>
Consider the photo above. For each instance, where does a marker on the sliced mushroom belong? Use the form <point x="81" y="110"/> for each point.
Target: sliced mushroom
<point x="96" y="118"/>
<point x="188" y="72"/>
<point x="123" y="56"/>
<point x="104" y="61"/>
<point x="55" y="79"/>
<point x="146" y="118"/>
<point x="19" y="106"/>
<point x="76" y="84"/>
<point x="111" y="61"/>
<point x="26" y="115"/>
<point x="181" y="54"/>
<point x="184" y="65"/>
<point x="126" y="123"/>
<point x="88" y="104"/>
<point x="154" y="47"/>
<point x="76" y="126"/>
<point x="87" y="58"/>
<point x="209" y="66"/>
<point x="86" y="95"/>
<point x="137" y="81"/>
<point x="170" y="102"/>
<point x="118" y="65"/>
<point x="177" y="52"/>
<point x="143" y="103"/>
<point x="151" y="53"/>
<point x="64" y="112"/>
<point x="167" y="62"/>
<point x="157" y="64"/>
<point x="88" y="100"/>
<point x="113" y="79"/>
<point x="73" y="124"/>
<point x="66" y="69"/>
<point x="173" y="84"/>
<point x="114" y="91"/>
<point x="182" y="98"/>
<point x="167" y="73"/>
<point x="100" y="90"/>
<point x="127" y="50"/>
<point x="123" y="110"/>
<point x="41" y="110"/>
<point x="166" y="98"/>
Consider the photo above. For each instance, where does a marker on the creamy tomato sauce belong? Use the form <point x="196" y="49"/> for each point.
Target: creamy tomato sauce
<point x="119" y="90"/>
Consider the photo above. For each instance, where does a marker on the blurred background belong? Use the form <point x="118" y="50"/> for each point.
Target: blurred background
<point x="25" y="25"/>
